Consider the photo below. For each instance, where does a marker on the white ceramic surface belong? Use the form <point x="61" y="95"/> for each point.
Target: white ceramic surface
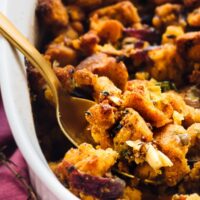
<point x="17" y="103"/>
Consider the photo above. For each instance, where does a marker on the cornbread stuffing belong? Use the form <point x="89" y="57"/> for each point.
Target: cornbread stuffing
<point x="140" y="62"/>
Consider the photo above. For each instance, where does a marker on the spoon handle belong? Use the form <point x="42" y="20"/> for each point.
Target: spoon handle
<point x="10" y="32"/>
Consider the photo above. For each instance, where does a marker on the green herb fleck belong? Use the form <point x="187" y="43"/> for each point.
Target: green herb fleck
<point x="166" y="86"/>
<point x="105" y="93"/>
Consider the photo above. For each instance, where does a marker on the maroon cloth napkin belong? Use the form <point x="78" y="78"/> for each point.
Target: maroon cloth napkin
<point x="10" y="187"/>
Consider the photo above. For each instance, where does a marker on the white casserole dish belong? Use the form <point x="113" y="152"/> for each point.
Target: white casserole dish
<point x="16" y="100"/>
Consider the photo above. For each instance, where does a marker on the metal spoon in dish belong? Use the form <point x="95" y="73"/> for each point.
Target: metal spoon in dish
<point x="70" y="111"/>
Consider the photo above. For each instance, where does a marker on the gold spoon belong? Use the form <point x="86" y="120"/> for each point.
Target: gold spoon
<point x="70" y="111"/>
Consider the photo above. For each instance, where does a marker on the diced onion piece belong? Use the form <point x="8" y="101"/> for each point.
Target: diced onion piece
<point x="157" y="159"/>
<point x="152" y="158"/>
<point x="136" y="145"/>
<point x="166" y="162"/>
<point x="116" y="100"/>
<point x="178" y="118"/>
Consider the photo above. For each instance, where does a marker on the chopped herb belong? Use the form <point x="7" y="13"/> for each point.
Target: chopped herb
<point x="126" y="153"/>
<point x="166" y="86"/>
<point x="105" y="93"/>
<point x="125" y="112"/>
<point x="115" y="129"/>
